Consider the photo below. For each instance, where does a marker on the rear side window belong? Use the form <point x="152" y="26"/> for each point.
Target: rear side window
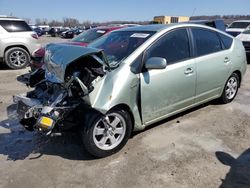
<point x="210" y="24"/>
<point x="89" y="35"/>
<point x="227" y="41"/>
<point x="174" y="47"/>
<point x="15" y="26"/>
<point x="206" y="41"/>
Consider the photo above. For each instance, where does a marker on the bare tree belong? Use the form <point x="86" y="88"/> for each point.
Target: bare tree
<point x="55" y="23"/>
<point x="227" y="18"/>
<point x="38" y="21"/>
<point x="42" y="21"/>
<point x="70" y="22"/>
<point x="27" y="20"/>
<point x="86" y="23"/>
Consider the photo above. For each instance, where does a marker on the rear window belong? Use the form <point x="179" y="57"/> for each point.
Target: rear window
<point x="15" y="25"/>
<point x="240" y="25"/>
<point x="89" y="35"/>
<point x="247" y="31"/>
<point x="210" y="24"/>
<point x="207" y="41"/>
<point x="227" y="41"/>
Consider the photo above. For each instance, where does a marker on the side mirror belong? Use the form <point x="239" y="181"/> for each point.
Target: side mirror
<point x="156" y="63"/>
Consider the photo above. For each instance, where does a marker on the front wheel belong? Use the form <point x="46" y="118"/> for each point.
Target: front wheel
<point x="230" y="89"/>
<point x="16" y="58"/>
<point x="104" y="135"/>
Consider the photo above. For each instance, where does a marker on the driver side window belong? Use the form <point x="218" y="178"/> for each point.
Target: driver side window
<point x="173" y="46"/>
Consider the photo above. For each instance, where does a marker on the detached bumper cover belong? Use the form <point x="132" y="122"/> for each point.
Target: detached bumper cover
<point x="24" y="78"/>
<point x="24" y="104"/>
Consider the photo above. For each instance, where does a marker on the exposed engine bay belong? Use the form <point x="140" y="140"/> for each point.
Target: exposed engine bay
<point x="60" y="88"/>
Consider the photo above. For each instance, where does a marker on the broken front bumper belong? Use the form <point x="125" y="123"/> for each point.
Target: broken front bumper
<point x="33" y="115"/>
<point x="24" y="105"/>
<point x="25" y="110"/>
<point x="32" y="78"/>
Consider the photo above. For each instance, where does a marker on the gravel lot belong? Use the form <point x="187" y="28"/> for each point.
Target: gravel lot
<point x="194" y="149"/>
<point x="47" y="39"/>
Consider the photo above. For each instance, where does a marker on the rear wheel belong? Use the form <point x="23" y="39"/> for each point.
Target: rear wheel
<point x="105" y="135"/>
<point x="17" y="58"/>
<point x="230" y="89"/>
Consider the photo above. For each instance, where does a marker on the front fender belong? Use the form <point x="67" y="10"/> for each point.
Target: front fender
<point x="119" y="86"/>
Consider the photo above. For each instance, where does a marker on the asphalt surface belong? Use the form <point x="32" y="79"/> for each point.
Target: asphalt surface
<point x="205" y="147"/>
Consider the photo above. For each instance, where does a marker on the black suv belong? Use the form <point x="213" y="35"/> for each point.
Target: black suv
<point x="56" y="32"/>
<point x="218" y="24"/>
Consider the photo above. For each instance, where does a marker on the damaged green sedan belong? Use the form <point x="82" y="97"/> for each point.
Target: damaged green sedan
<point x="129" y="79"/>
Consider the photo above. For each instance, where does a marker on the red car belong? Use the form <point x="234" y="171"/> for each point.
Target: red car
<point x="82" y="40"/>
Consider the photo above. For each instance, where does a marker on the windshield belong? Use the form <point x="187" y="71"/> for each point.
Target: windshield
<point x="120" y="44"/>
<point x="247" y="31"/>
<point x="240" y="25"/>
<point x="89" y="35"/>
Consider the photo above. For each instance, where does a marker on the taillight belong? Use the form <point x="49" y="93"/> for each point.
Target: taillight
<point x="39" y="53"/>
<point x="34" y="35"/>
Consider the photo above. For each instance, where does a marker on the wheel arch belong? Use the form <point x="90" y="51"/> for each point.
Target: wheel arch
<point x="240" y="76"/>
<point x="90" y="111"/>
<point x="127" y="109"/>
<point x="19" y="46"/>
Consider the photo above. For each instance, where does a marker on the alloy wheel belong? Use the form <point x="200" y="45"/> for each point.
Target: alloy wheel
<point x="18" y="58"/>
<point x="109" y="131"/>
<point x="231" y="88"/>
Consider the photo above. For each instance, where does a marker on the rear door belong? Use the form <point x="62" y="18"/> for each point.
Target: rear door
<point x="168" y="90"/>
<point x="4" y="36"/>
<point x="212" y="62"/>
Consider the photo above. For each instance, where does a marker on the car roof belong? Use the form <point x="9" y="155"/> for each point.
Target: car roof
<point x="2" y="17"/>
<point x="108" y="28"/>
<point x="203" y="21"/>
<point x="161" y="27"/>
<point x="153" y="27"/>
<point x="242" y="21"/>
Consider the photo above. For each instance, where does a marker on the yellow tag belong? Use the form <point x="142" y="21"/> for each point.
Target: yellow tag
<point x="46" y="122"/>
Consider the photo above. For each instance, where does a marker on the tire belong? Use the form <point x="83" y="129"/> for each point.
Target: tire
<point x="230" y="89"/>
<point x="99" y="139"/>
<point x="16" y="58"/>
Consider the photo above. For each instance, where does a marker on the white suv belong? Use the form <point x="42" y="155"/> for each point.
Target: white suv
<point x="17" y="42"/>
<point x="237" y="27"/>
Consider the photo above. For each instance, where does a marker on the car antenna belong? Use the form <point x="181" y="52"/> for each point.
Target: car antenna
<point x="193" y="12"/>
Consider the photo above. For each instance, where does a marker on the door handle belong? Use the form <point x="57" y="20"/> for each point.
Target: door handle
<point x="189" y="71"/>
<point x="226" y="60"/>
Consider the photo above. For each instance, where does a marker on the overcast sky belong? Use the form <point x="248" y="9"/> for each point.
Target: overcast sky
<point x="127" y="10"/>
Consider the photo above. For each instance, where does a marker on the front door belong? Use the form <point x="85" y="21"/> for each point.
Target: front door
<point x="167" y="91"/>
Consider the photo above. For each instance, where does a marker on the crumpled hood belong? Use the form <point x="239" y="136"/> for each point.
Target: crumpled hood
<point x="75" y="43"/>
<point x="59" y="56"/>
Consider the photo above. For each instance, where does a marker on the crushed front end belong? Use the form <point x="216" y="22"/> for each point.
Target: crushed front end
<point x="70" y="75"/>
